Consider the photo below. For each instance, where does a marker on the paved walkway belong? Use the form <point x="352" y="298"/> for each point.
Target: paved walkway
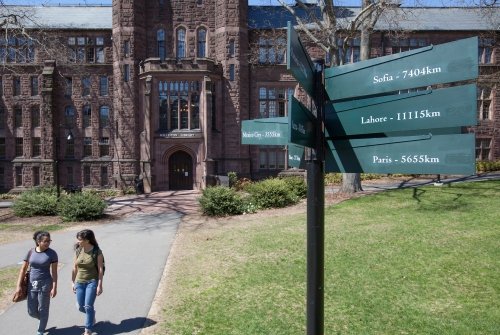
<point x="135" y="247"/>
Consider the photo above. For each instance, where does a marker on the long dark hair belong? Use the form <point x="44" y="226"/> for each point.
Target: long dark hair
<point x="38" y="235"/>
<point x="87" y="234"/>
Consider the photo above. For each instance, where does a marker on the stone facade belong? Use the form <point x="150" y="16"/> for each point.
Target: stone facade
<point x="160" y="96"/>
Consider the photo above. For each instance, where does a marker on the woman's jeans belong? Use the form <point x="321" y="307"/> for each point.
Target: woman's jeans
<point x="85" y="298"/>
<point x="39" y="301"/>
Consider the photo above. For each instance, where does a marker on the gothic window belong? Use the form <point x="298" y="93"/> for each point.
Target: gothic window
<point x="126" y="48"/>
<point x="86" y="49"/>
<point x="273" y="101"/>
<point x="18" y="117"/>
<point x="195" y="111"/>
<point x="103" y="86"/>
<point x="19" y="175"/>
<point x="179" y="105"/>
<point x="87" y="146"/>
<point x="36" y="176"/>
<point x="231" y="48"/>
<point x="104" y="146"/>
<point x="70" y="148"/>
<point x="34" y="86"/>
<point x="406" y="44"/>
<point x="231" y="72"/>
<point x="486" y="46"/>
<point x="17" y="50"/>
<point x="351" y="54"/>
<point x="35" y="147"/>
<point x="85" y="86"/>
<point x="104" y="176"/>
<point x="99" y="50"/>
<point x="86" y="175"/>
<point x="69" y="115"/>
<point x="202" y="43"/>
<point x="484" y="103"/>
<point x="126" y="73"/>
<point x="181" y="43"/>
<point x="16" y="82"/>
<point x="160" y="40"/>
<point x="35" y="117"/>
<point x="87" y="116"/>
<point x="103" y="116"/>
<point x="19" y="147"/>
<point x="272" y="50"/>
<point x="271" y="158"/>
<point x="483" y="148"/>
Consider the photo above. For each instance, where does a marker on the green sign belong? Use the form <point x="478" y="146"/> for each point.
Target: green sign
<point x="296" y="156"/>
<point x="302" y="124"/>
<point x="298" y="61"/>
<point x="419" y="154"/>
<point x="269" y="131"/>
<point x="428" y="109"/>
<point x="445" y="63"/>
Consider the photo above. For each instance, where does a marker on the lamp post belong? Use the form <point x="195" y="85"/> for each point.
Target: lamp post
<point x="69" y="137"/>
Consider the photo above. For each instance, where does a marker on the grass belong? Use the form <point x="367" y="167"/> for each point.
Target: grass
<point x="412" y="261"/>
<point x="8" y="278"/>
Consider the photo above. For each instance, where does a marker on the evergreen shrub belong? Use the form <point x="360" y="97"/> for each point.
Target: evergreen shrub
<point x="36" y="201"/>
<point x="297" y="185"/>
<point x="272" y="193"/>
<point x="81" y="207"/>
<point x="221" y="201"/>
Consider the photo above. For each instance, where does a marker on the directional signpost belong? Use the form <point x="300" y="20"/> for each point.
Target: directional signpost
<point x="447" y="107"/>
<point x="419" y="154"/>
<point x="370" y="125"/>
<point x="268" y="131"/>
<point x="446" y="63"/>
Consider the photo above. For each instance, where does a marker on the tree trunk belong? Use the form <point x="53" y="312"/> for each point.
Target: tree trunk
<point x="351" y="182"/>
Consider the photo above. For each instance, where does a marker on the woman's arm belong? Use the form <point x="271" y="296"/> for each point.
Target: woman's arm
<point x="74" y="271"/>
<point x="100" y="268"/>
<point x="53" y="270"/>
<point x="20" y="277"/>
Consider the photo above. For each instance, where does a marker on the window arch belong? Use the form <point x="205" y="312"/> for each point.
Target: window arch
<point x="87" y="116"/>
<point x="181" y="43"/>
<point x="160" y="40"/>
<point x="202" y="43"/>
<point x="103" y="116"/>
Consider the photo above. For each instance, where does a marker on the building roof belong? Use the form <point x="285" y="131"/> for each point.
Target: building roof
<point x="63" y="17"/>
<point x="405" y="18"/>
<point x="269" y="17"/>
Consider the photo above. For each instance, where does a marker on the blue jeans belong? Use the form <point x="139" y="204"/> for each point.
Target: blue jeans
<point x="85" y="298"/>
<point x="39" y="301"/>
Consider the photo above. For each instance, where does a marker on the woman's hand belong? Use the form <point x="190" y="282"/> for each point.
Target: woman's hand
<point x="99" y="290"/>
<point x="73" y="287"/>
<point x="53" y="292"/>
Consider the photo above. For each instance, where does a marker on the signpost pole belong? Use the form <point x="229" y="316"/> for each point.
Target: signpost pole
<point x="316" y="218"/>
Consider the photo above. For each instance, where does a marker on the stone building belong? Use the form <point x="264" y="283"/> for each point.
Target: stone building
<point x="101" y="96"/>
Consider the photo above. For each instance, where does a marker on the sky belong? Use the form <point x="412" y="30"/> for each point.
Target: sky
<point x="438" y="3"/>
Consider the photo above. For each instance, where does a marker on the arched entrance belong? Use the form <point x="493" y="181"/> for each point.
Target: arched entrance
<point x="180" y="171"/>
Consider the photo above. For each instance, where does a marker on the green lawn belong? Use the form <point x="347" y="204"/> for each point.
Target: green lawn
<point x="413" y="261"/>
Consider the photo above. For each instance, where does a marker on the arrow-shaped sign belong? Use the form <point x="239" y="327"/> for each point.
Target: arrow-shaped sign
<point x="444" y="63"/>
<point x="267" y="131"/>
<point x="298" y="61"/>
<point x="419" y="154"/>
<point x="303" y="124"/>
<point x="429" y="109"/>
